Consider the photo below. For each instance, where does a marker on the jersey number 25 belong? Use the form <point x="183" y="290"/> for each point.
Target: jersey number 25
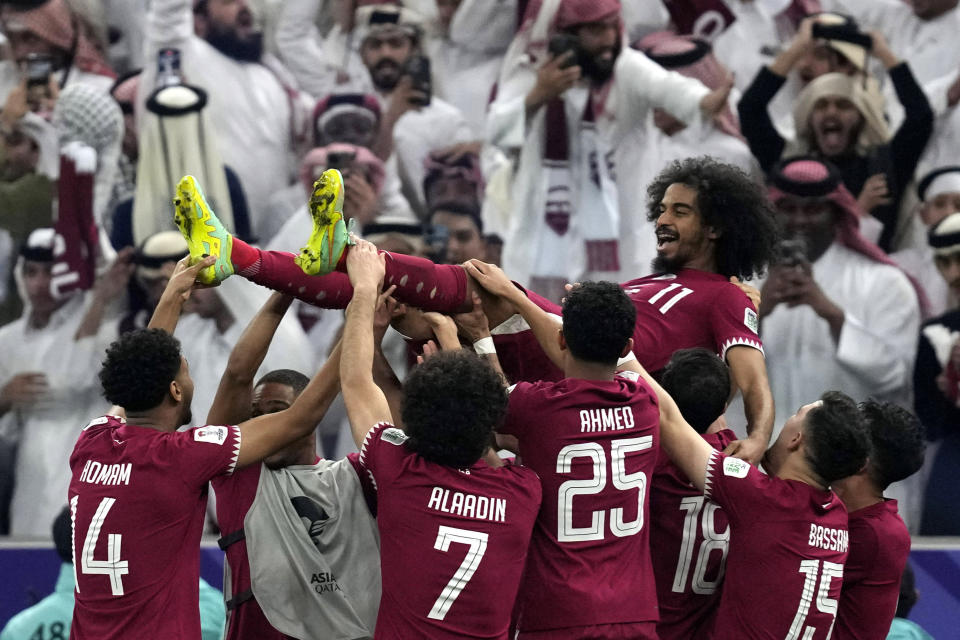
<point x="623" y="481"/>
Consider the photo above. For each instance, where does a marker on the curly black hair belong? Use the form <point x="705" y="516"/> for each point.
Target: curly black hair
<point x="897" y="442"/>
<point x="451" y="405"/>
<point x="836" y="437"/>
<point x="699" y="382"/>
<point x="139" y="367"/>
<point x="598" y="320"/>
<point x="733" y="204"/>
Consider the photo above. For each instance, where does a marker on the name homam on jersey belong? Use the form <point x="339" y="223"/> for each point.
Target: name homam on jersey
<point x="109" y="474"/>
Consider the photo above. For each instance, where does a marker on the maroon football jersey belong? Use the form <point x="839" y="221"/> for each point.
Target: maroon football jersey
<point x="452" y="541"/>
<point x="137" y="500"/>
<point x="879" y="547"/>
<point x="690" y="535"/>
<point x="788" y="544"/>
<point x="689" y="309"/>
<point x="594" y="445"/>
<point x="235" y="495"/>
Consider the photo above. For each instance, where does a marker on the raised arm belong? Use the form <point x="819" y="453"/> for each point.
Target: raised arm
<point x="686" y="448"/>
<point x="748" y="371"/>
<point x="365" y="402"/>
<point x="544" y="326"/>
<point x="232" y="402"/>
<point x="383" y="374"/>
<point x="179" y="286"/>
<point x="267" y="434"/>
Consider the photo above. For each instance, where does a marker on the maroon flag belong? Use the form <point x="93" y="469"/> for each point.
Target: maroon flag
<point x="75" y="248"/>
<point x="702" y="18"/>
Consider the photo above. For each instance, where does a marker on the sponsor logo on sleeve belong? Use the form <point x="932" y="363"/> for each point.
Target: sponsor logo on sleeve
<point x="213" y="435"/>
<point x="735" y="468"/>
<point x="394" y="436"/>
<point x="751" y="319"/>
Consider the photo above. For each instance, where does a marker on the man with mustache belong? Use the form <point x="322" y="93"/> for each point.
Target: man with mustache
<point x="414" y="122"/>
<point x="570" y="93"/>
<point x="840" y="119"/>
<point x="255" y="109"/>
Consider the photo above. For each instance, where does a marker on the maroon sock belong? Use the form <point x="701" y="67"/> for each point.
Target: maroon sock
<point x="425" y="285"/>
<point x="242" y="255"/>
<point x="276" y="270"/>
<point x="420" y="282"/>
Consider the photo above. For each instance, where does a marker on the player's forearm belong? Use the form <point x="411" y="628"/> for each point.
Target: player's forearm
<point x="250" y="350"/>
<point x="759" y="409"/>
<point x="167" y="313"/>
<point x="544" y="328"/>
<point x="357" y="342"/>
<point x="749" y="372"/>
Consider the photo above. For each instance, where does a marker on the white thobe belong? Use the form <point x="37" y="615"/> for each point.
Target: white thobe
<point x="49" y="428"/>
<point x="638" y="85"/>
<point x="207" y="351"/>
<point x="254" y="116"/>
<point x="878" y="342"/>
<point x="417" y="133"/>
<point x="320" y="65"/>
<point x="752" y="42"/>
<point x="465" y="64"/>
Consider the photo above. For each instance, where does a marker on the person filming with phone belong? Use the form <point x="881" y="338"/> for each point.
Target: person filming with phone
<point x="50" y="50"/>
<point x="570" y="92"/>
<point x="836" y="313"/>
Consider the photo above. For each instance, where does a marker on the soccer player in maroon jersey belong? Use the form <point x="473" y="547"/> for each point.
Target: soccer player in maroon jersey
<point x="788" y="530"/>
<point x="453" y="530"/>
<point x="714" y="223"/>
<point x="689" y="533"/>
<point x="592" y="439"/>
<point x="138" y="493"/>
<point x="879" y="541"/>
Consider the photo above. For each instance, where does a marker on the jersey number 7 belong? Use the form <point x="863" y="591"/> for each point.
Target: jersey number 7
<point x="477" y="541"/>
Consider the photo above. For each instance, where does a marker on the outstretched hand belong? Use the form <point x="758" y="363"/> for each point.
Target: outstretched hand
<point x="493" y="279"/>
<point x="184" y="277"/>
<point x="365" y="265"/>
<point x="387" y="309"/>
<point x="749" y="449"/>
<point x="473" y="324"/>
<point x="751" y="292"/>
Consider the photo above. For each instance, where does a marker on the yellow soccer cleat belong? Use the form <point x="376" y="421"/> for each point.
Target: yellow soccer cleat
<point x="330" y="234"/>
<point x="205" y="234"/>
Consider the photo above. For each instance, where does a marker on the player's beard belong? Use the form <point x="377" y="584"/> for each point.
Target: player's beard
<point x="226" y="41"/>
<point x="662" y="264"/>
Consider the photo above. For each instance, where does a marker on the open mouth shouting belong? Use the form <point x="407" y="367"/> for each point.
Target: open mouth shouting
<point x="666" y="236"/>
<point x="833" y="136"/>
